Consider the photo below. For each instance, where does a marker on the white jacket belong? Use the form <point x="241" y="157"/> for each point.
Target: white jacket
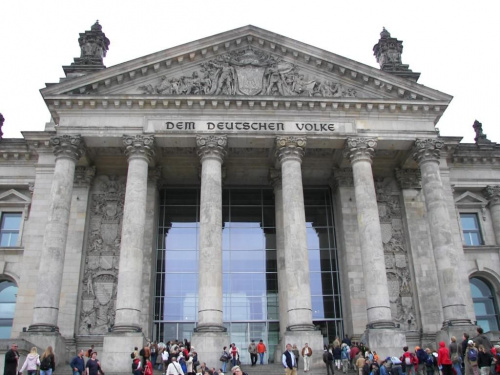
<point x="32" y="360"/>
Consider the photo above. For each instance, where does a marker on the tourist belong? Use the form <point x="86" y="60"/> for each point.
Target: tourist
<point x="455" y="355"/>
<point x="337" y="355"/>
<point x="136" y="365"/>
<point x="430" y="362"/>
<point x="11" y="360"/>
<point x="174" y="368"/>
<point x="93" y="365"/>
<point x="465" y="365"/>
<point x="47" y="361"/>
<point x="88" y="354"/>
<point x="236" y="370"/>
<point x="408" y="359"/>
<point x="252" y="349"/>
<point x="165" y="358"/>
<point x="471" y="357"/>
<point x="235" y="354"/>
<point x="482" y="339"/>
<point x="421" y="356"/>
<point x="306" y="354"/>
<point x="484" y="360"/>
<point x="154" y="352"/>
<point x="31" y="362"/>
<point x="328" y="360"/>
<point x="295" y="352"/>
<point x="225" y="357"/>
<point x="261" y="349"/>
<point x="288" y="361"/>
<point x="360" y="362"/>
<point x="77" y="364"/>
<point x="344" y="357"/>
<point x="444" y="360"/>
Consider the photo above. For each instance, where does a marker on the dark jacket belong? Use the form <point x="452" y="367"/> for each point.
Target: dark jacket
<point x="78" y="363"/>
<point x="337" y="352"/>
<point x="10" y="366"/>
<point x="421" y="355"/>
<point x="484" y="359"/>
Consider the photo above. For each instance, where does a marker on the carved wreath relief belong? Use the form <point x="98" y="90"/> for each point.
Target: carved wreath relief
<point x="249" y="72"/>
<point x="396" y="256"/>
<point x="100" y="276"/>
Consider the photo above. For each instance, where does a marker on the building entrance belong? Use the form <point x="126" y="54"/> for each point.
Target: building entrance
<point x="250" y="273"/>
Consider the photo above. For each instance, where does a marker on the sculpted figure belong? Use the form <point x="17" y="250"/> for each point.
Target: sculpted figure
<point x="226" y="81"/>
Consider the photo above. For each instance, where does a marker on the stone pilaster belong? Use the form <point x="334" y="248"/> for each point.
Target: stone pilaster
<point x="360" y="152"/>
<point x="275" y="180"/>
<point x="68" y="150"/>
<point x="427" y="153"/>
<point x="139" y="150"/>
<point x="210" y="334"/>
<point x="420" y="247"/>
<point x="492" y="193"/>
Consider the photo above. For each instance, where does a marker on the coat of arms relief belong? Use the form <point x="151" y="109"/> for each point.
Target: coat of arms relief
<point x="100" y="275"/>
<point x="249" y="72"/>
<point x="396" y="254"/>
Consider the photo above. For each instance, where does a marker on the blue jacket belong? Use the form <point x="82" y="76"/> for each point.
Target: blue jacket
<point x="78" y="363"/>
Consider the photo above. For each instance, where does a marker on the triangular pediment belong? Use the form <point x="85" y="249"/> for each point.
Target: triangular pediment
<point x="13" y="198"/>
<point x="470" y="199"/>
<point x="248" y="61"/>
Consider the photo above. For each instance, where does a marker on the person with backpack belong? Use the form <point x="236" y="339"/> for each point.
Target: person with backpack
<point x="148" y="367"/>
<point x="456" y="358"/>
<point x="484" y="359"/>
<point x="430" y="362"/>
<point x="344" y="356"/>
<point x="408" y="360"/>
<point x="328" y="360"/>
<point x="421" y="357"/>
<point x="47" y="361"/>
<point x="471" y="356"/>
<point x="136" y="365"/>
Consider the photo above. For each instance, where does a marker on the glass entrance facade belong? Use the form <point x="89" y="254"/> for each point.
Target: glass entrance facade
<point x="250" y="279"/>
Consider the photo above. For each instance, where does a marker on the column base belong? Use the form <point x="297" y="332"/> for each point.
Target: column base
<point x="42" y="339"/>
<point x="117" y="346"/>
<point x="43" y="328"/>
<point x="385" y="341"/>
<point x="455" y="328"/>
<point x="209" y="347"/>
<point x="314" y="339"/>
<point x="210" y="328"/>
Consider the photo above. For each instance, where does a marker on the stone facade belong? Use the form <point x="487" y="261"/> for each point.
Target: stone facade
<point x="246" y="108"/>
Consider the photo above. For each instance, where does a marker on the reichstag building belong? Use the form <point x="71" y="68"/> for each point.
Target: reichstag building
<point x="245" y="186"/>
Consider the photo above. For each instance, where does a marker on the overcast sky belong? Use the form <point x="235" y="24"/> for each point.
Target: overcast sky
<point x="453" y="44"/>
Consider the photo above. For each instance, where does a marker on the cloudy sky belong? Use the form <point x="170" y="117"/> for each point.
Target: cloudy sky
<point x="453" y="44"/>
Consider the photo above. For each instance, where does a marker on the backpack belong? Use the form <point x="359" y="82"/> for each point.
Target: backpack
<point x="147" y="370"/>
<point x="430" y="360"/>
<point x="135" y="365"/>
<point x="472" y="354"/>
<point x="344" y="354"/>
<point x="45" y="363"/>
<point x="408" y="360"/>
<point x="325" y="356"/>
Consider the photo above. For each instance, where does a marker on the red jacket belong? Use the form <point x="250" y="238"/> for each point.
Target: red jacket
<point x="443" y="355"/>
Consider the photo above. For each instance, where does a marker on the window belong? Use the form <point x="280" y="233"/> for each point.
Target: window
<point x="8" y="294"/>
<point x="484" y="305"/>
<point x="471" y="229"/>
<point x="9" y="229"/>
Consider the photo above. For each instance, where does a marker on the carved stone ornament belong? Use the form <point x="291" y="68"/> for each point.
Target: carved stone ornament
<point x="395" y="254"/>
<point x="275" y="177"/>
<point x="290" y="147"/>
<point x="211" y="146"/>
<point x="409" y="178"/>
<point x="357" y="149"/>
<point x="342" y="177"/>
<point x="139" y="146"/>
<point x="427" y="150"/>
<point x="84" y="176"/>
<point x="102" y="255"/>
<point x="68" y="146"/>
<point x="93" y="46"/>
<point x="492" y="193"/>
<point x="248" y="72"/>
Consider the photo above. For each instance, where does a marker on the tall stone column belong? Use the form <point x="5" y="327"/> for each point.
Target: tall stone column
<point x="289" y="153"/>
<point x="492" y="193"/>
<point x="139" y="150"/>
<point x="210" y="334"/>
<point x="68" y="150"/>
<point x="360" y="152"/>
<point x="427" y="153"/>
<point x="127" y="333"/>
<point x="380" y="332"/>
<point x="275" y="179"/>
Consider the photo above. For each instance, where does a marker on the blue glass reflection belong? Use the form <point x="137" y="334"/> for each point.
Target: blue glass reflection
<point x="180" y="308"/>
<point x="181" y="284"/>
<point x="181" y="261"/>
<point x="181" y="239"/>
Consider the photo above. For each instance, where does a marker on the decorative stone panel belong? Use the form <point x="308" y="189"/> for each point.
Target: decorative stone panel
<point x="102" y="255"/>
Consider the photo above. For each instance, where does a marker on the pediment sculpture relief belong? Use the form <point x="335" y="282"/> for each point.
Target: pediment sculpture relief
<point x="249" y="72"/>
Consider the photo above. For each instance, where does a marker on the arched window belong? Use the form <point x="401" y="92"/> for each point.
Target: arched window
<point x="484" y="305"/>
<point x="8" y="294"/>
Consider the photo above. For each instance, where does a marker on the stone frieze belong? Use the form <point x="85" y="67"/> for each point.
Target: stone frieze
<point x="249" y="72"/>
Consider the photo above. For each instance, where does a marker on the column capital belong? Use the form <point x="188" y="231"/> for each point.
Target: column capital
<point x="211" y="146"/>
<point x="341" y="177"/>
<point x="275" y="177"/>
<point x="139" y="146"/>
<point x="492" y="193"/>
<point x="290" y="147"/>
<point x="83" y="176"/>
<point x="427" y="150"/>
<point x="358" y="149"/>
<point x="68" y="146"/>
<point x="408" y="178"/>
